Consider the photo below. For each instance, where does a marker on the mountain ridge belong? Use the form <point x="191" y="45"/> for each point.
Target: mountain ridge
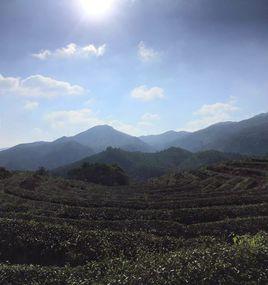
<point x="142" y="166"/>
<point x="102" y="136"/>
<point x="164" y="140"/>
<point x="49" y="155"/>
<point x="247" y="137"/>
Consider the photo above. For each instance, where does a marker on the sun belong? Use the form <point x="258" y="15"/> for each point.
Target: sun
<point x="97" y="8"/>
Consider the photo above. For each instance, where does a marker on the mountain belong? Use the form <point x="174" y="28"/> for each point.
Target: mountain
<point x="100" y="137"/>
<point x="249" y="137"/>
<point x="165" y="140"/>
<point x="50" y="155"/>
<point x="68" y="149"/>
<point x="141" y="166"/>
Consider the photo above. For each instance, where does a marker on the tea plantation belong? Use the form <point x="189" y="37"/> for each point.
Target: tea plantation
<point x="200" y="227"/>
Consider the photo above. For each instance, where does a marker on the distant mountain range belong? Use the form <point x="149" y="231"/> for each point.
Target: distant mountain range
<point x="142" y="166"/>
<point x="248" y="137"/>
<point x="165" y="140"/>
<point x="69" y="149"/>
<point x="50" y="155"/>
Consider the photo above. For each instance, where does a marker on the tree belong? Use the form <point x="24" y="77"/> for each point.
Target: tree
<point x="41" y="171"/>
<point x="4" y="173"/>
<point x="100" y="174"/>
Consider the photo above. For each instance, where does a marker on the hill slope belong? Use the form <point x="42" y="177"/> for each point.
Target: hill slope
<point x="49" y="155"/>
<point x="165" y="140"/>
<point x="100" y="137"/>
<point x="246" y="137"/>
<point x="68" y="149"/>
<point x="141" y="166"/>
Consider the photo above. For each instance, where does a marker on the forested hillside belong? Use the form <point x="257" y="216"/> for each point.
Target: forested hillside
<point x="142" y="166"/>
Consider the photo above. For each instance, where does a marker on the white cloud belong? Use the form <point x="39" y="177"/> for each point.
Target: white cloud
<point x="70" y="51"/>
<point x="212" y="114"/>
<point x="38" y="86"/>
<point x="31" y="105"/>
<point x="150" y="117"/>
<point x="90" y="102"/>
<point x="149" y="120"/>
<point x="211" y="110"/>
<point x="70" y="122"/>
<point x="92" y="50"/>
<point x="43" y="54"/>
<point x="8" y="83"/>
<point x="147" y="94"/>
<point x="145" y="53"/>
<point x="124" y="127"/>
<point x="73" y="119"/>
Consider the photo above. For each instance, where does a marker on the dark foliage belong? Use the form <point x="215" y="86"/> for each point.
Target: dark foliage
<point x="142" y="166"/>
<point x="200" y="227"/>
<point x="104" y="174"/>
<point x="41" y="171"/>
<point x="4" y="173"/>
<point x="30" y="183"/>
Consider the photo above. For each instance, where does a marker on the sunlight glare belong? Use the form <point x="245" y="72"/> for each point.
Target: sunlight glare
<point x="97" y="8"/>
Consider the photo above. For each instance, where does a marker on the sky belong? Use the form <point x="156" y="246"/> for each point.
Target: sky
<point x="141" y="66"/>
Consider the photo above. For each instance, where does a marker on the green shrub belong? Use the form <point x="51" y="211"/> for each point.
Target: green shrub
<point x="4" y="173"/>
<point x="100" y="174"/>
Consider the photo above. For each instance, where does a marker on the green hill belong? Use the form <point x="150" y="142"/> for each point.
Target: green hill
<point x="100" y="174"/>
<point x="141" y="166"/>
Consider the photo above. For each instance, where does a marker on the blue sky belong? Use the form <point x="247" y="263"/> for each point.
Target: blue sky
<point x="142" y="66"/>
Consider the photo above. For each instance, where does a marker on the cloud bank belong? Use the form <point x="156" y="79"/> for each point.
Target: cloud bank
<point x="38" y="86"/>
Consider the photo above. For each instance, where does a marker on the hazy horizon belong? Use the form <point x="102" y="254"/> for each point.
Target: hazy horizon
<point x="152" y="134"/>
<point x="143" y="67"/>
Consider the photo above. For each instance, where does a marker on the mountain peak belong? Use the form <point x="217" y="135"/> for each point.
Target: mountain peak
<point x="99" y="129"/>
<point x="102" y="136"/>
<point x="102" y="127"/>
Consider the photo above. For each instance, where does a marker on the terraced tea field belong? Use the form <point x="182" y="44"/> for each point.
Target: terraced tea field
<point x="202" y="227"/>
